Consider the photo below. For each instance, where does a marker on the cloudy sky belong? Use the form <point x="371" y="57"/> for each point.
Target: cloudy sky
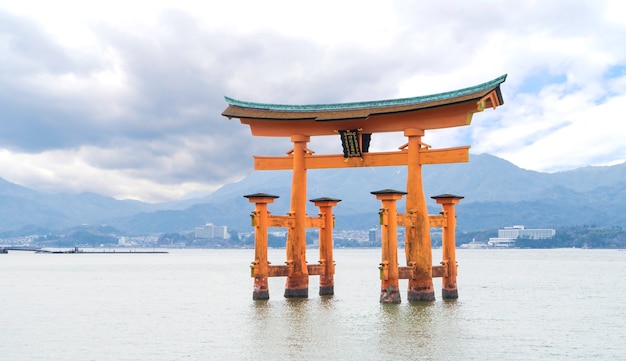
<point x="124" y="98"/>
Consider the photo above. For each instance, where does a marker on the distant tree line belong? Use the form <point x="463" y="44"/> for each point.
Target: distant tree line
<point x="588" y="236"/>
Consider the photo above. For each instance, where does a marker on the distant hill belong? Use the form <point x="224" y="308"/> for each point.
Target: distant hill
<point x="497" y="193"/>
<point x="24" y="208"/>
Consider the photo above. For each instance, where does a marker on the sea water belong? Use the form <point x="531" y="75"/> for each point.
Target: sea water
<point x="562" y="304"/>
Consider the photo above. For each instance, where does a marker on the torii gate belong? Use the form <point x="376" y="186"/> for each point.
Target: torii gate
<point x="356" y="122"/>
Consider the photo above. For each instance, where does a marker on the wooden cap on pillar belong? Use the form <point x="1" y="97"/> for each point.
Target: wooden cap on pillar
<point x="388" y="194"/>
<point x="447" y="198"/>
<point x="325" y="199"/>
<point x="261" y="197"/>
<point x="388" y="191"/>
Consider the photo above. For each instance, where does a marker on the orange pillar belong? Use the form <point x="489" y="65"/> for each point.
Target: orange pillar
<point x="260" y="266"/>
<point x="389" y="273"/>
<point x="327" y="279"/>
<point x="417" y="244"/>
<point x="448" y="248"/>
<point x="297" y="284"/>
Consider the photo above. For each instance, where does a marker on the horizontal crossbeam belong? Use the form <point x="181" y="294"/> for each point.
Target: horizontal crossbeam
<point x="406" y="273"/>
<point x="289" y="222"/>
<point x="283" y="271"/>
<point x="437" y="221"/>
<point x="319" y="269"/>
<point x="396" y="158"/>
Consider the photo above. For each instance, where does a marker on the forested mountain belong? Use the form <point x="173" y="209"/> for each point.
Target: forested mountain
<point x="497" y="193"/>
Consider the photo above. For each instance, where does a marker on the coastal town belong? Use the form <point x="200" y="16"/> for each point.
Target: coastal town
<point x="219" y="236"/>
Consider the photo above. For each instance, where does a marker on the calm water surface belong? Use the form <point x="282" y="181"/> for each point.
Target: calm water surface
<point x="566" y="304"/>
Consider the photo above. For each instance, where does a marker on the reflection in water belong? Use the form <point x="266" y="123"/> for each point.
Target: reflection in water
<point x="296" y="322"/>
<point x="353" y="325"/>
<point x="322" y="327"/>
<point x="327" y="302"/>
<point x="407" y="330"/>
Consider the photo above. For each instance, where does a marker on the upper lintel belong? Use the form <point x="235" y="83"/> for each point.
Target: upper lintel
<point x="454" y="106"/>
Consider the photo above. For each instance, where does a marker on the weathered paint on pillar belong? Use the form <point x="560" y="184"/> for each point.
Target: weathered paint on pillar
<point x="417" y="243"/>
<point x="327" y="279"/>
<point x="448" y="249"/>
<point x="389" y="273"/>
<point x="260" y="266"/>
<point x="297" y="283"/>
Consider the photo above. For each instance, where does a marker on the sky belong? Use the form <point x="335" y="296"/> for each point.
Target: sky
<point x="124" y="98"/>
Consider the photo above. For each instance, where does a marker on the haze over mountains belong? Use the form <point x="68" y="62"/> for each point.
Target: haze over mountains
<point x="497" y="194"/>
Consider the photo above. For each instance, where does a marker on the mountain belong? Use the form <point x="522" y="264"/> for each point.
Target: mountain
<point x="496" y="194"/>
<point x="22" y="207"/>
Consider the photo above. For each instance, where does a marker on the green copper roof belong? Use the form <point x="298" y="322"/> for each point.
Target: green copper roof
<point x="369" y="104"/>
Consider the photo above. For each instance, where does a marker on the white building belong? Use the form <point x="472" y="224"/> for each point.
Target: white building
<point x="521" y="232"/>
<point x="507" y="236"/>
<point x="210" y="231"/>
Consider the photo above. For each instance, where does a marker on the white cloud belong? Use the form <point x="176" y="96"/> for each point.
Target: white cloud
<point x="578" y="143"/>
<point x="124" y="98"/>
<point x="85" y="170"/>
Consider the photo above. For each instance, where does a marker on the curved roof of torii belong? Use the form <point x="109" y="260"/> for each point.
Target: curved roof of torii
<point x="449" y="109"/>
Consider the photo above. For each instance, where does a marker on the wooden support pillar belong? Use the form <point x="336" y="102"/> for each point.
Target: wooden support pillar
<point x="297" y="283"/>
<point x="448" y="248"/>
<point x="327" y="278"/>
<point x="389" y="273"/>
<point x="417" y="243"/>
<point x="260" y="266"/>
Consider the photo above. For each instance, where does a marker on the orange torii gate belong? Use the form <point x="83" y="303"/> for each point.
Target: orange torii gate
<point x="356" y="122"/>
